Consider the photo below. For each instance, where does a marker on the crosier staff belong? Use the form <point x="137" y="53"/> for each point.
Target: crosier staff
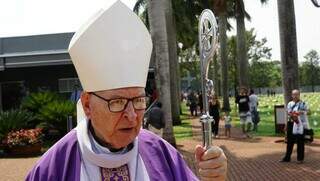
<point x="207" y="46"/>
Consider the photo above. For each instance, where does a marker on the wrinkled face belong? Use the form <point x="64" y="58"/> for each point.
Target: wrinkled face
<point x="295" y="95"/>
<point x="117" y="129"/>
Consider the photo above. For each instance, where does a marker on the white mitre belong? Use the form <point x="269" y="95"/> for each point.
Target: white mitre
<point x="112" y="50"/>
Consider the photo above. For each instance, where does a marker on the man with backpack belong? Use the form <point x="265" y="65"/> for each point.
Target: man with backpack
<point x="155" y="118"/>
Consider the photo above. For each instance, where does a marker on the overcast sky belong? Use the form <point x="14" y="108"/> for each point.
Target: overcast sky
<point x="29" y="17"/>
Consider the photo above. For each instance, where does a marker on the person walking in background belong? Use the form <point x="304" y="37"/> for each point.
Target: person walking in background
<point x="227" y="124"/>
<point x="75" y="95"/>
<point x="214" y="106"/>
<point x="192" y="102"/>
<point x="253" y="105"/>
<point x="244" y="111"/>
<point x="297" y="121"/>
<point x="200" y="102"/>
<point x="155" y="118"/>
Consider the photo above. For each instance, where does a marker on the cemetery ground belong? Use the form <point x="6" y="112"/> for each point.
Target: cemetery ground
<point x="266" y="112"/>
<point x="255" y="158"/>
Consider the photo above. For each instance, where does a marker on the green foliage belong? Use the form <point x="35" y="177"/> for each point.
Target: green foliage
<point x="257" y="49"/>
<point x="35" y="101"/>
<point x="56" y="113"/>
<point x="50" y="110"/>
<point x="13" y="120"/>
<point x="262" y="73"/>
<point x="309" y="70"/>
<point x="185" y="13"/>
<point x="265" y="73"/>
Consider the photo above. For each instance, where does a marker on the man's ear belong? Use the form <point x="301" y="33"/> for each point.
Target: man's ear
<point x="85" y="100"/>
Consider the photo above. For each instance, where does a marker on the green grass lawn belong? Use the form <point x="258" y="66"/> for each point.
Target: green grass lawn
<point x="183" y="131"/>
<point x="266" y="110"/>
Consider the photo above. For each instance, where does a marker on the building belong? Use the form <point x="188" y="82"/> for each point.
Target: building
<point x="37" y="63"/>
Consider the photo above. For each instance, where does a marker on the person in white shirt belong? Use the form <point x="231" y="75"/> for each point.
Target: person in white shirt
<point x="253" y="104"/>
<point x="297" y="121"/>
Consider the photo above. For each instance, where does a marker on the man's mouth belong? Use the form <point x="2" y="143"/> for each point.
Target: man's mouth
<point x="126" y="129"/>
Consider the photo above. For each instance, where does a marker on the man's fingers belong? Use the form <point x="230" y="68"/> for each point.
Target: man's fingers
<point x="211" y="153"/>
<point x="212" y="172"/>
<point x="199" y="152"/>
<point x="213" y="163"/>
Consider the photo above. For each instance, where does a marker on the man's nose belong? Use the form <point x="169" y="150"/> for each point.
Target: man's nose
<point x="130" y="112"/>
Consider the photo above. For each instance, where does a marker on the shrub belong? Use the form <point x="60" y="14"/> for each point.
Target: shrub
<point x="24" y="137"/>
<point x="35" y="101"/>
<point x="56" y="114"/>
<point x="13" y="120"/>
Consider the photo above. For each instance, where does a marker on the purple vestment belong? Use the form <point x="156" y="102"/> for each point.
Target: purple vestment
<point x="63" y="160"/>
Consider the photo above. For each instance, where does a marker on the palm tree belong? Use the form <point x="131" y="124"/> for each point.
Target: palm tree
<point x="158" y="30"/>
<point x="288" y="46"/>
<point x="242" y="58"/>
<point x="216" y="75"/>
<point x="241" y="44"/>
<point x="174" y="66"/>
<point x="173" y="58"/>
<point x="221" y="8"/>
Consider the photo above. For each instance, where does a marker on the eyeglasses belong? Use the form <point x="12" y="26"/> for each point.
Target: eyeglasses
<point x="119" y="104"/>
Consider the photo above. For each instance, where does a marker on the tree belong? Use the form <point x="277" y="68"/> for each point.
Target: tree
<point x="264" y="73"/>
<point x="241" y="44"/>
<point x="232" y="63"/>
<point x="222" y="10"/>
<point x="258" y="53"/>
<point x="172" y="48"/>
<point x="288" y="46"/>
<point x="174" y="66"/>
<point x="240" y="14"/>
<point x="157" y="21"/>
<point x="310" y="69"/>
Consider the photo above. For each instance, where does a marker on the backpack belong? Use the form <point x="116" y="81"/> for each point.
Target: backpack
<point x="155" y="118"/>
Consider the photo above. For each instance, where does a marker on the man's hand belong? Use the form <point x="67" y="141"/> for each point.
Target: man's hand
<point x="212" y="163"/>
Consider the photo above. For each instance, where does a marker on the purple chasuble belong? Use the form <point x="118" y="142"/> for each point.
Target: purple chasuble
<point x="63" y="160"/>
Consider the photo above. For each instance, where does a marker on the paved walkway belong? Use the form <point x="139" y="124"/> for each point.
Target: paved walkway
<point x="15" y="169"/>
<point x="257" y="158"/>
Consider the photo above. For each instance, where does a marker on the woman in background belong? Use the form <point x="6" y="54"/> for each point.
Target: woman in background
<point x="214" y="107"/>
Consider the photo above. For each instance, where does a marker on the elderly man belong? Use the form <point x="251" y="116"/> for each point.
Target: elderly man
<point x="111" y="54"/>
<point x="297" y="122"/>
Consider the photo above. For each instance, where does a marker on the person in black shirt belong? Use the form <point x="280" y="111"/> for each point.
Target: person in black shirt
<point x="192" y="103"/>
<point x="214" y="106"/>
<point x="244" y="111"/>
<point x="156" y="116"/>
<point x="200" y="102"/>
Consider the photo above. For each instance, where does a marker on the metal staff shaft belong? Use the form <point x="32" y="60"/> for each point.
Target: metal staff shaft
<point x="207" y="46"/>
